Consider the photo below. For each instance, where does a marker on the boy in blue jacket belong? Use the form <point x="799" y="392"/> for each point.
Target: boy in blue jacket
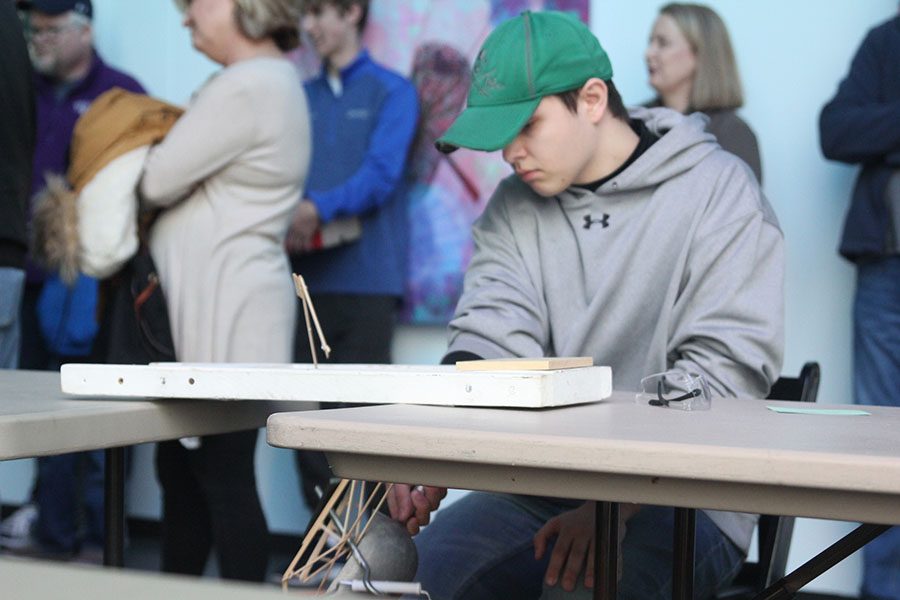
<point x="364" y="118"/>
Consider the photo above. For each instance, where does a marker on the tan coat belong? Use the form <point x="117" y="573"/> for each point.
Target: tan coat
<point x="117" y="122"/>
<point x="231" y="172"/>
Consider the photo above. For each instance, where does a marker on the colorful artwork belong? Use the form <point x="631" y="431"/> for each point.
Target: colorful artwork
<point x="434" y="42"/>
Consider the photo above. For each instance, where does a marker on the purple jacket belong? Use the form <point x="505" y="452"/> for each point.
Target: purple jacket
<point x="56" y="117"/>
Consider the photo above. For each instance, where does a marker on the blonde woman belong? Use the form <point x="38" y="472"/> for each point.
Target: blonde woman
<point x="228" y="176"/>
<point x="691" y="66"/>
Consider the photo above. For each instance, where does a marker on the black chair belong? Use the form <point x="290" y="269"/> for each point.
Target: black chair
<point x="774" y="532"/>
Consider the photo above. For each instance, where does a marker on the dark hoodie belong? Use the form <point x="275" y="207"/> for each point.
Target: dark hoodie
<point x="17" y="132"/>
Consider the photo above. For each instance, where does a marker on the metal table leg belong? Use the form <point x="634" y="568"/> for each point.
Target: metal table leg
<point x="683" y="559"/>
<point x="606" y="555"/>
<point x="788" y="586"/>
<point x="114" y="508"/>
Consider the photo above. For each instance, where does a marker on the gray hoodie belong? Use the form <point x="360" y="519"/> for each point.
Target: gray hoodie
<point x="677" y="262"/>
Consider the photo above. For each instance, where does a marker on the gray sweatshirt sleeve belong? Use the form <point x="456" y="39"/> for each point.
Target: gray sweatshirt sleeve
<point x="501" y="312"/>
<point x="728" y="319"/>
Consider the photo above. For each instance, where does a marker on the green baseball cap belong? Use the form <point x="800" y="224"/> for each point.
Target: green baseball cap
<point x="524" y="59"/>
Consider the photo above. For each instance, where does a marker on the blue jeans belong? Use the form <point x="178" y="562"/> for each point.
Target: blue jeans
<point x="480" y="548"/>
<point x="876" y="373"/>
<point x="12" y="284"/>
<point x="70" y="486"/>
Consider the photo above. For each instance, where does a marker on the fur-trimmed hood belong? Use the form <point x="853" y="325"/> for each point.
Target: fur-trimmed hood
<point x="54" y="230"/>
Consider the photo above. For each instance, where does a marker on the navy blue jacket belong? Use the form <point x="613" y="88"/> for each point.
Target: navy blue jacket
<point x="861" y="125"/>
<point x="361" y="139"/>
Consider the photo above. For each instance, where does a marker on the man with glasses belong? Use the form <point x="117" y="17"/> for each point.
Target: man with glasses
<point x="69" y="75"/>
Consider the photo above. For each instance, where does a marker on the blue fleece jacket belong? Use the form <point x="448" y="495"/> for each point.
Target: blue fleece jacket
<point x="361" y="137"/>
<point x="861" y="125"/>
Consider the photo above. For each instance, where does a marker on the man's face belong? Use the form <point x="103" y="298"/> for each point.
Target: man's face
<point x="57" y="43"/>
<point x="328" y="29"/>
<point x="554" y="150"/>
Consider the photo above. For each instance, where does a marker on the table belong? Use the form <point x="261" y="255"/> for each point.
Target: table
<point x="37" y="419"/>
<point x="33" y="580"/>
<point x="738" y="456"/>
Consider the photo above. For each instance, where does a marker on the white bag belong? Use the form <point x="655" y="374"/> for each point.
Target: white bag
<point x="107" y="215"/>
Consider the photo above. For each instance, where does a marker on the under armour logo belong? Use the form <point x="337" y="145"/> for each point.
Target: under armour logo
<point x="588" y="221"/>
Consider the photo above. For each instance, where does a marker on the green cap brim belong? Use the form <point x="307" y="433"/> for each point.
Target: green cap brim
<point x="487" y="128"/>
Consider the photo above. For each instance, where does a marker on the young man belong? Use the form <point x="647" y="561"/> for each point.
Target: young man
<point x="363" y="122"/>
<point x="861" y="125"/>
<point x="632" y="238"/>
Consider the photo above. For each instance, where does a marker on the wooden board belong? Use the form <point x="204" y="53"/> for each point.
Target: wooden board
<point x="361" y="384"/>
<point x="547" y="363"/>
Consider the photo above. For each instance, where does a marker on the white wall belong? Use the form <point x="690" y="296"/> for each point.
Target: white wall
<point x="791" y="54"/>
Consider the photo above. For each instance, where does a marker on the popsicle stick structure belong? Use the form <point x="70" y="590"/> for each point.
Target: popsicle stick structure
<point x="342" y="520"/>
<point x="309" y="311"/>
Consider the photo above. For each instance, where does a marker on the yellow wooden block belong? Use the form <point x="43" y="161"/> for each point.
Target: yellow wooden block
<point x="546" y="363"/>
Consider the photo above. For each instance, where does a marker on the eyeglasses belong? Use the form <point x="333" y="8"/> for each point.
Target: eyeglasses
<point x="660" y="401"/>
<point x="49" y="32"/>
<point x="675" y="389"/>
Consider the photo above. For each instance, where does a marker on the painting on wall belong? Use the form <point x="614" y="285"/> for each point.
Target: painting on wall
<point x="434" y="43"/>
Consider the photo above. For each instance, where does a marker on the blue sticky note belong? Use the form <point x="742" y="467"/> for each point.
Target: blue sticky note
<point x="840" y="412"/>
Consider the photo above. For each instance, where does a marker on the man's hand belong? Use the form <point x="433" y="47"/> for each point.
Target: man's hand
<point x="412" y="506"/>
<point x="575" y="544"/>
<point x="304" y="224"/>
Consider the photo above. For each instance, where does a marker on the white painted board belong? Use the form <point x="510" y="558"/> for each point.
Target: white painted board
<point x="361" y="384"/>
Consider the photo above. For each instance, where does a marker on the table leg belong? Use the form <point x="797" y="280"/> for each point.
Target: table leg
<point x="788" y="586"/>
<point x="114" y="508"/>
<point x="683" y="559"/>
<point x="606" y="554"/>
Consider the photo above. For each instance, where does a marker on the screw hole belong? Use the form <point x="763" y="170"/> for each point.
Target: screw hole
<point x="191" y="381"/>
<point x="121" y="380"/>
